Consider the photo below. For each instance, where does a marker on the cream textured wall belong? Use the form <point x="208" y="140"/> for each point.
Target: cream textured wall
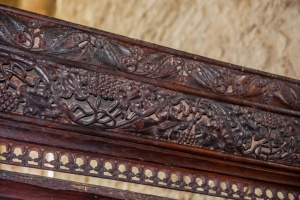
<point x="259" y="34"/>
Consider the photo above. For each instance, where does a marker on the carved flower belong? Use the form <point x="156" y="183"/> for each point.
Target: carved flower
<point x="219" y="84"/>
<point x="238" y="89"/>
<point x="148" y="67"/>
<point x="43" y="43"/>
<point x="274" y="86"/>
<point x="129" y="63"/>
<point x="20" y="37"/>
<point x="182" y="79"/>
<point x="174" y="61"/>
<point x="261" y="82"/>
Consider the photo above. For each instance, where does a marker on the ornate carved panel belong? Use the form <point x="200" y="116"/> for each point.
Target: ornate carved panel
<point x="199" y="73"/>
<point x="72" y="76"/>
<point x="53" y="91"/>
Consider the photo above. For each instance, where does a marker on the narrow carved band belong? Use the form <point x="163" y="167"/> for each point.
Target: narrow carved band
<point x="136" y="172"/>
<point x="91" y="48"/>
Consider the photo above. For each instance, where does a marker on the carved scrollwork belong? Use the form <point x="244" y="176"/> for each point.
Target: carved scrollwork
<point x="53" y="91"/>
<point x="73" y="44"/>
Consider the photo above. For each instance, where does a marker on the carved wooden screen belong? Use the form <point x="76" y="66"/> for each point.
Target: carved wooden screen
<point x="142" y="113"/>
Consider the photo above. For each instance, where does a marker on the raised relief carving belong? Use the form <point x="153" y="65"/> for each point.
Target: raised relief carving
<point x="52" y="91"/>
<point x="56" y="74"/>
<point x="72" y="44"/>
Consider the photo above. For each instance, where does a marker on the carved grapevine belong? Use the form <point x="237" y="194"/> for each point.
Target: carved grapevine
<point x="53" y="91"/>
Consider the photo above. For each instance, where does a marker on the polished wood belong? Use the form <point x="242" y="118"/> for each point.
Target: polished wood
<point x="23" y="186"/>
<point x="142" y="113"/>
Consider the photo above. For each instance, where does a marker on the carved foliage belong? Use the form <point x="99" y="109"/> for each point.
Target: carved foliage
<point x="69" y="43"/>
<point x="69" y="95"/>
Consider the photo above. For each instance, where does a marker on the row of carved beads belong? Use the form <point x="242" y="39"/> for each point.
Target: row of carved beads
<point x="79" y="163"/>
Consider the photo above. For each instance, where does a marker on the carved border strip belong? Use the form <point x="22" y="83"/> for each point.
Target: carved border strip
<point x="149" y="151"/>
<point x="62" y="160"/>
<point x="71" y="42"/>
<point x="57" y="92"/>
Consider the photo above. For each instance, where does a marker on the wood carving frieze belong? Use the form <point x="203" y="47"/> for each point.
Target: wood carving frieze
<point x="53" y="91"/>
<point x="74" y="44"/>
<point x="142" y="113"/>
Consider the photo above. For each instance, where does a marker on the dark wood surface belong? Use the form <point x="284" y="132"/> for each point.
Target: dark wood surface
<point x="23" y="186"/>
<point x="142" y="113"/>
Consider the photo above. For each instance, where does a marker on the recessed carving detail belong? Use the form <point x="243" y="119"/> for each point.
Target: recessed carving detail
<point x="72" y="44"/>
<point x="57" y="92"/>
